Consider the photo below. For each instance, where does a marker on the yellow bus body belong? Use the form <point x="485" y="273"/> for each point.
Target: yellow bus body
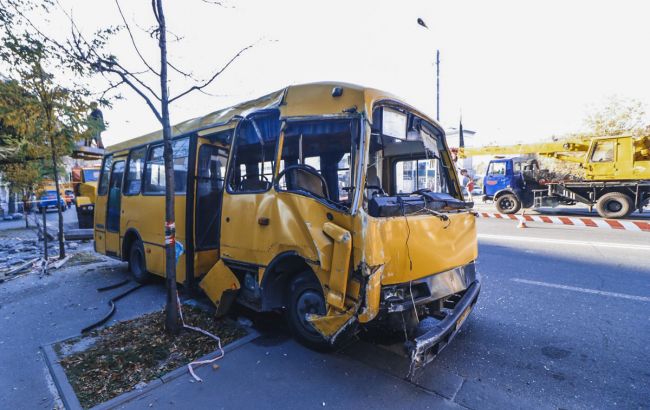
<point x="266" y="238"/>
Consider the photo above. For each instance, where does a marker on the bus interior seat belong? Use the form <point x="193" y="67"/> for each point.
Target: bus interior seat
<point x="373" y="183"/>
<point x="306" y="181"/>
<point x="253" y="182"/>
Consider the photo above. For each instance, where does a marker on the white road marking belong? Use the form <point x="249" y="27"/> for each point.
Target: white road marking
<point x="565" y="242"/>
<point x="583" y="290"/>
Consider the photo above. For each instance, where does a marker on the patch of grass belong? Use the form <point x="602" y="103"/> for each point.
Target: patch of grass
<point x="139" y="350"/>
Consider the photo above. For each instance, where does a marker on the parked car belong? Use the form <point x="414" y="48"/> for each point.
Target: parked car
<point x="69" y="197"/>
<point x="48" y="199"/>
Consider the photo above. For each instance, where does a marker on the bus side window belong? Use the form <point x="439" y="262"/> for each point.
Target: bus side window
<point x="102" y="189"/>
<point x="133" y="182"/>
<point x="155" y="168"/>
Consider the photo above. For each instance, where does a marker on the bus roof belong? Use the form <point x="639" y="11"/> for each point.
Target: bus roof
<point x="303" y="100"/>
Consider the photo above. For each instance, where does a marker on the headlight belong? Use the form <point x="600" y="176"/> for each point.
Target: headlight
<point x="90" y="207"/>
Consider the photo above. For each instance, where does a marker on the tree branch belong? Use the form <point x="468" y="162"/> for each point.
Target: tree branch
<point x="184" y="74"/>
<point x="135" y="46"/>
<point x="208" y="82"/>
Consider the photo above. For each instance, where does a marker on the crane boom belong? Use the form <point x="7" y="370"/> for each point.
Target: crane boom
<point x="551" y="149"/>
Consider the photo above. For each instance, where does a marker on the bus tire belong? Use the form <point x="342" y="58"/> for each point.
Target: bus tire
<point x="137" y="263"/>
<point x="508" y="204"/>
<point x="305" y="295"/>
<point x="614" y="205"/>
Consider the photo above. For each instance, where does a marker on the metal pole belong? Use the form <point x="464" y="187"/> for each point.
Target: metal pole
<point x="437" y="85"/>
<point x="44" y="236"/>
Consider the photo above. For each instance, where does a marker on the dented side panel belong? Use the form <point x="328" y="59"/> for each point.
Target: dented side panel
<point x="217" y="283"/>
<point x="295" y="224"/>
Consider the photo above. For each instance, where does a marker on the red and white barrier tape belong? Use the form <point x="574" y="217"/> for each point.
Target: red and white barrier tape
<point x="573" y="220"/>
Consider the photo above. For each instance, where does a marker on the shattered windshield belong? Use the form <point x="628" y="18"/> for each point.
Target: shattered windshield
<point x="416" y="169"/>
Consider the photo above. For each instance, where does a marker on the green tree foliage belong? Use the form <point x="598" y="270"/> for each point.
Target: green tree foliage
<point x="618" y="116"/>
<point x="42" y="118"/>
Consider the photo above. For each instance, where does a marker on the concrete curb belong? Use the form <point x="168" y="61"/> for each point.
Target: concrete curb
<point x="69" y="397"/>
<point x="66" y="392"/>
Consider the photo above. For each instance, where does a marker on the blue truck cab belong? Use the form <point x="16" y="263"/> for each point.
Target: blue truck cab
<point x="506" y="182"/>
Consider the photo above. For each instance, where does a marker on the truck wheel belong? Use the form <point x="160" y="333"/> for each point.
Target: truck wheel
<point x="137" y="263"/>
<point x="305" y="295"/>
<point x="614" y="205"/>
<point x="508" y="204"/>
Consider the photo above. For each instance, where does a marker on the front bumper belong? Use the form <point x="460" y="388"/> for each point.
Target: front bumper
<point x="424" y="348"/>
<point x="400" y="298"/>
<point x="435" y="308"/>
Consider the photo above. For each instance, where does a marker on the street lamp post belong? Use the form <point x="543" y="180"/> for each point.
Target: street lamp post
<point x="423" y="24"/>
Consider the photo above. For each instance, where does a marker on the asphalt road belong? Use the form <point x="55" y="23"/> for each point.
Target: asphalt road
<point x="563" y="321"/>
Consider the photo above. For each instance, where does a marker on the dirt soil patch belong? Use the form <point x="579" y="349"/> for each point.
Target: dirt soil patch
<point x="129" y="354"/>
<point x="85" y="258"/>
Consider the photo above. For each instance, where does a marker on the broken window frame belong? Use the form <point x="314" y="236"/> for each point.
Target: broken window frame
<point x="234" y="151"/>
<point x="357" y="133"/>
<point x="434" y="132"/>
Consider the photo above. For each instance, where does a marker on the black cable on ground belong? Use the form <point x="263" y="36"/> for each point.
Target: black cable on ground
<point x="113" y="286"/>
<point x="111" y="303"/>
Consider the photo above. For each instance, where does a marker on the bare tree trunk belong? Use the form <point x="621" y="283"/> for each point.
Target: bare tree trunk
<point x="172" y="320"/>
<point x="26" y="208"/>
<point x="11" y="200"/>
<point x="59" y="208"/>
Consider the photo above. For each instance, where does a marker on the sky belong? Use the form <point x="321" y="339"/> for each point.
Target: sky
<point x="517" y="71"/>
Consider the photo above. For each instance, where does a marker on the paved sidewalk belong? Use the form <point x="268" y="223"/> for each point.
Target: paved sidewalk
<point x="35" y="311"/>
<point x="277" y="372"/>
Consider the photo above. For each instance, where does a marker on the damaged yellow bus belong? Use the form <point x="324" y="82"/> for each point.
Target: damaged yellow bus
<point x="336" y="204"/>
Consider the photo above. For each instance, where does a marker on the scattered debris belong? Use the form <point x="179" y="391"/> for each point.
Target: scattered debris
<point x="136" y="351"/>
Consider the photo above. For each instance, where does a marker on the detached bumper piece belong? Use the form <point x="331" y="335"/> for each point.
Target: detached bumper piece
<point x="424" y="348"/>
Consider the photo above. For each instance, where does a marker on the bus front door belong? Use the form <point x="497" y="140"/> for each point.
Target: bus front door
<point x="114" y="209"/>
<point x="211" y="170"/>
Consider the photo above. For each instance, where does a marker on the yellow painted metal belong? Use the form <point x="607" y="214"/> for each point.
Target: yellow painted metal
<point x="145" y="214"/>
<point x="415" y="246"/>
<point x="332" y="323"/>
<point x="340" y="264"/>
<point x="373" y="294"/>
<point x="218" y="281"/>
<point x="302" y="100"/>
<point x="630" y="156"/>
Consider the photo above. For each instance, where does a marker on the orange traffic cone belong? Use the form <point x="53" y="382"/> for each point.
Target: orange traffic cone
<point x="522" y="221"/>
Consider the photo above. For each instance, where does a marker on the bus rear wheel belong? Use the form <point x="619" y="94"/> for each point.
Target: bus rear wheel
<point x="614" y="205"/>
<point x="508" y="204"/>
<point x="305" y="296"/>
<point x="137" y="263"/>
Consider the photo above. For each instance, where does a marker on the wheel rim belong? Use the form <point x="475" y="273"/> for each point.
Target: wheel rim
<point x="614" y="206"/>
<point x="507" y="204"/>
<point x="309" y="302"/>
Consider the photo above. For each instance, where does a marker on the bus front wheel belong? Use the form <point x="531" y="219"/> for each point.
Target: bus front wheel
<point x="137" y="263"/>
<point x="304" y="297"/>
